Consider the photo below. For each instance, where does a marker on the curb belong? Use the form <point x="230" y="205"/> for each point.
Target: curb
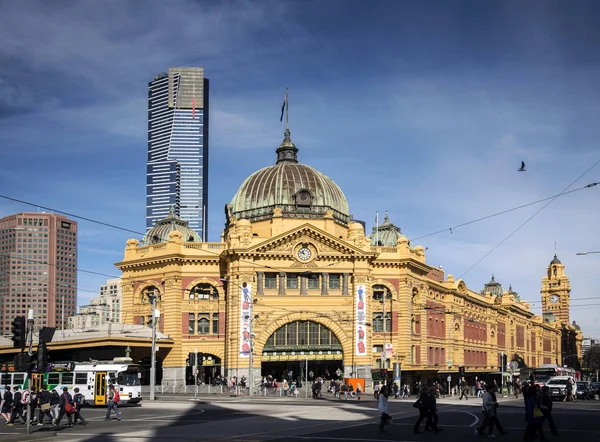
<point x="24" y="437"/>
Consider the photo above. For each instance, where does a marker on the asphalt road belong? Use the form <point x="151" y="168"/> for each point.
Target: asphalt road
<point x="282" y="419"/>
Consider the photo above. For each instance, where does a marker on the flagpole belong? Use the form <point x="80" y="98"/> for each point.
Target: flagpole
<point x="376" y="228"/>
<point x="287" y="108"/>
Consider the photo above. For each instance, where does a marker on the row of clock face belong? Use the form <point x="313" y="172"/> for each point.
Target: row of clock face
<point x="553" y="299"/>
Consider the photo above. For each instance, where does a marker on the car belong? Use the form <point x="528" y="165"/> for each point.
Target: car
<point x="596" y="387"/>
<point x="585" y="390"/>
<point x="558" y="387"/>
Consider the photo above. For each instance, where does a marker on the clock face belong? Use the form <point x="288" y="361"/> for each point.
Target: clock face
<point x="304" y="254"/>
<point x="553" y="299"/>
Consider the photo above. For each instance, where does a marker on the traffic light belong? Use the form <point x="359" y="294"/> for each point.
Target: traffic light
<point x="384" y="373"/>
<point x="23" y="362"/>
<point x="504" y="360"/>
<point x="42" y="357"/>
<point x="19" y="331"/>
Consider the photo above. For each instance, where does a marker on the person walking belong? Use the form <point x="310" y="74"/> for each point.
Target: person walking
<point x="358" y="391"/>
<point x="65" y="404"/>
<point x="78" y="401"/>
<point x="423" y="405"/>
<point x="463" y="390"/>
<point x="54" y="404"/>
<point x="113" y="398"/>
<point x="6" y="404"/>
<point x="432" y="419"/>
<point x="546" y="407"/>
<point x="535" y="417"/>
<point x="382" y="406"/>
<point x="43" y="400"/>
<point x="17" y="407"/>
<point x="489" y="407"/>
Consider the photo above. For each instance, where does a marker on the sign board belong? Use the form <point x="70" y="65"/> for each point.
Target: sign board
<point x="514" y="365"/>
<point x="449" y="362"/>
<point x="389" y="351"/>
<point x="449" y="378"/>
<point x="383" y="356"/>
<point x="25" y="397"/>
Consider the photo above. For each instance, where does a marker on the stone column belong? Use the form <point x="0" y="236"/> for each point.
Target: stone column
<point x="303" y="284"/>
<point x="344" y="283"/>
<point x="324" y="283"/>
<point x="260" y="278"/>
<point x="281" y="283"/>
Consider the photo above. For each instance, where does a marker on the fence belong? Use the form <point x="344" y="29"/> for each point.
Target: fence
<point x="220" y="390"/>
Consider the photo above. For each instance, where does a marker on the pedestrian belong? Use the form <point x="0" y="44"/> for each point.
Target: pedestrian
<point x="43" y="401"/>
<point x="495" y="420"/>
<point x="535" y="417"/>
<point x="463" y="390"/>
<point x="54" y="404"/>
<point x="6" y="404"/>
<point x="432" y="419"/>
<point x="32" y="405"/>
<point x="489" y="407"/>
<point x="358" y="391"/>
<point x="65" y="404"/>
<point x="17" y="407"/>
<point x="376" y="389"/>
<point x="78" y="401"/>
<point x="421" y="404"/>
<point x="382" y="406"/>
<point x="546" y="407"/>
<point x="113" y="398"/>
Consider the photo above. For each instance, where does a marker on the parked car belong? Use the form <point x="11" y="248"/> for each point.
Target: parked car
<point x="585" y="390"/>
<point x="596" y="387"/>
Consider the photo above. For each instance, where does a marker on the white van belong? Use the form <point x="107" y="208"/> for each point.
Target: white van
<point x="558" y="387"/>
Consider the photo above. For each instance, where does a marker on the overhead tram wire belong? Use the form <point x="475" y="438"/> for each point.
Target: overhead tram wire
<point x="531" y="217"/>
<point x="72" y="215"/>
<point x="43" y="262"/>
<point x="503" y="212"/>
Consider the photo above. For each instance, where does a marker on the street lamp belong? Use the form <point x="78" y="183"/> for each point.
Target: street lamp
<point x="587" y="253"/>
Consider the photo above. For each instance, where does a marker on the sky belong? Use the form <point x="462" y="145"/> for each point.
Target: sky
<point x="424" y="109"/>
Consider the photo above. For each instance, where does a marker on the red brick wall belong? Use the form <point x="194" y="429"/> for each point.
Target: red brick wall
<point x="477" y="331"/>
<point x="547" y="347"/>
<point x="185" y="320"/>
<point x="436" y="320"/>
<point x="533" y="343"/>
<point x="418" y="324"/>
<point x="418" y="354"/>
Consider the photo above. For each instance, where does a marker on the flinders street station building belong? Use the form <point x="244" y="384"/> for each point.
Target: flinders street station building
<point x="297" y="282"/>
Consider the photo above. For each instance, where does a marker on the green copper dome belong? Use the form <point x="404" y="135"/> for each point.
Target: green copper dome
<point x="160" y="232"/>
<point x="298" y="190"/>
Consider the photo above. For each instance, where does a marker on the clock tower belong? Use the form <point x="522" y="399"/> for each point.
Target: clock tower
<point x="556" y="291"/>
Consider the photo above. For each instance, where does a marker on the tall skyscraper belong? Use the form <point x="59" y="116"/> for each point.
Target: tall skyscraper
<point x="38" y="268"/>
<point x="177" y="168"/>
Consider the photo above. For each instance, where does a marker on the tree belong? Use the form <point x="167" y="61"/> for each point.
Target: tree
<point x="519" y="359"/>
<point x="591" y="358"/>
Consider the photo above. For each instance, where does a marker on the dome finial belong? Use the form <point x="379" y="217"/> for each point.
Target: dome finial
<point x="287" y="151"/>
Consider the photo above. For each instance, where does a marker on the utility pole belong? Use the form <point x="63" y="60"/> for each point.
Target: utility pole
<point x="384" y="353"/>
<point x="196" y="374"/>
<point x="30" y="322"/>
<point x="250" y="358"/>
<point x="153" y="357"/>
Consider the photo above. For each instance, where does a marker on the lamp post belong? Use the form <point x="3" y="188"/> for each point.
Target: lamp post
<point x="587" y="253"/>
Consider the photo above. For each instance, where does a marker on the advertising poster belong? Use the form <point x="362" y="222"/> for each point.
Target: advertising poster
<point x="246" y="317"/>
<point x="361" y="321"/>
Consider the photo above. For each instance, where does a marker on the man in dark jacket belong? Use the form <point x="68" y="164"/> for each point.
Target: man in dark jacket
<point x="17" y="409"/>
<point x="65" y="400"/>
<point x="6" y="406"/>
<point x="78" y="400"/>
<point x="43" y="401"/>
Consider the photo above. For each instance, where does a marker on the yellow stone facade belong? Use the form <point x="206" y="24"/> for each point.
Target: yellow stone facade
<point x="296" y="269"/>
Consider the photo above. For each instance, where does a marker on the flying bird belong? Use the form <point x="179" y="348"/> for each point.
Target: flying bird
<point x="522" y="169"/>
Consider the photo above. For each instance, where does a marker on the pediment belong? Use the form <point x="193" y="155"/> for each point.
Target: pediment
<point x="325" y="243"/>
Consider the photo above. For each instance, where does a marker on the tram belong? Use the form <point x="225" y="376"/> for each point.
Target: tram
<point x="91" y="377"/>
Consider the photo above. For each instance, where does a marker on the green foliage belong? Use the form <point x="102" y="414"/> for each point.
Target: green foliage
<point x="591" y="358"/>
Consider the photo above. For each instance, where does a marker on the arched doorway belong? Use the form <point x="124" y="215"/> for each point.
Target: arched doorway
<point x="298" y="344"/>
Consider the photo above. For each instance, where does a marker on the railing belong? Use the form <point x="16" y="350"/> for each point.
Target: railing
<point x="220" y="390"/>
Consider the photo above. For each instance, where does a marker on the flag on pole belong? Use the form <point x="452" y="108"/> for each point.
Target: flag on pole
<point x="283" y="108"/>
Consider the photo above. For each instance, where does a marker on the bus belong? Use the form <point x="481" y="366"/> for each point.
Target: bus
<point x="91" y="377"/>
<point x="544" y="372"/>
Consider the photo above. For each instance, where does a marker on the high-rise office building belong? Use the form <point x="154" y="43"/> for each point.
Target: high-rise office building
<point x="38" y="268"/>
<point x="177" y="167"/>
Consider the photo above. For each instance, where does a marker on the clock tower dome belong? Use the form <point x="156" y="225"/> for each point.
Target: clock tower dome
<point x="556" y="291"/>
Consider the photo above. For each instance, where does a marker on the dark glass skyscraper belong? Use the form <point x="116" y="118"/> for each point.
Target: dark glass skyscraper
<point x="177" y="167"/>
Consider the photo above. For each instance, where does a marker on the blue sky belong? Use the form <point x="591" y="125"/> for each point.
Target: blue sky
<point x="424" y="109"/>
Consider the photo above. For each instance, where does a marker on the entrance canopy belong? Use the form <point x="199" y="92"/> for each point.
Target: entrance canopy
<point x="300" y="340"/>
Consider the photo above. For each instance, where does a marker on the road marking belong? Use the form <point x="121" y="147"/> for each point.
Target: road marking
<point x="471" y="414"/>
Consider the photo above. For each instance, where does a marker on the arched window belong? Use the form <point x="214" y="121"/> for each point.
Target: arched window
<point x="203" y="291"/>
<point x="148" y="293"/>
<point x="303" y="334"/>
<point x="379" y="291"/>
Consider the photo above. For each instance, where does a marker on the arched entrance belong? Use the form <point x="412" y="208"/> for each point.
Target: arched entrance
<point x="298" y="344"/>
